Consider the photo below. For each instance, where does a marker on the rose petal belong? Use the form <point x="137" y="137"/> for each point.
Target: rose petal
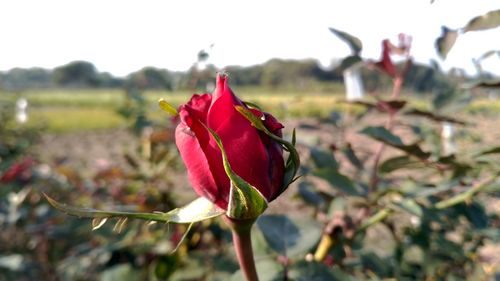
<point x="246" y="153"/>
<point x="197" y="165"/>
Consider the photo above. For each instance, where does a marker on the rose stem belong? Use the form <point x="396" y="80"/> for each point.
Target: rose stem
<point x="242" y="241"/>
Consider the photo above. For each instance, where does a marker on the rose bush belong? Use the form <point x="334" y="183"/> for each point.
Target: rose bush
<point x="253" y="155"/>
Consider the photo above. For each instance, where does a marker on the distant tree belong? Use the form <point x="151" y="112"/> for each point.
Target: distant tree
<point x="76" y="74"/>
<point x="425" y="79"/>
<point x="151" y="78"/>
<point x="107" y="80"/>
<point x="21" y="78"/>
<point x="294" y="73"/>
<point x="196" y="79"/>
<point x="244" y="76"/>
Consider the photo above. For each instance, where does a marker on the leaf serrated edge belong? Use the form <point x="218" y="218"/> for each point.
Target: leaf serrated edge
<point x="169" y="217"/>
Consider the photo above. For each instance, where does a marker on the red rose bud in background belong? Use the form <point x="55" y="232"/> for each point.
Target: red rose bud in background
<point x="385" y="64"/>
<point x="20" y="170"/>
<point x="252" y="154"/>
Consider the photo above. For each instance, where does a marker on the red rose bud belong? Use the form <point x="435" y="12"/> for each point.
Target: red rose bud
<point x="19" y="170"/>
<point x="252" y="154"/>
<point x="403" y="49"/>
<point x="385" y="64"/>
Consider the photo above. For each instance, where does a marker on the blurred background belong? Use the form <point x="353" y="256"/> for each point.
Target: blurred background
<point x="79" y="121"/>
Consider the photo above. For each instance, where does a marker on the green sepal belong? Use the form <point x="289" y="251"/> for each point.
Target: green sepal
<point x="198" y="210"/>
<point x="245" y="201"/>
<point x="253" y="105"/>
<point x="167" y="107"/>
<point x="293" y="161"/>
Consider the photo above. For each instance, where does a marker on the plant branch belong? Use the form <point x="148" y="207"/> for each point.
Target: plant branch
<point x="377" y="217"/>
<point x="466" y="195"/>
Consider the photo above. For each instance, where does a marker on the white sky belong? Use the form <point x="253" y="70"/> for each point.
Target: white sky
<point x="121" y="36"/>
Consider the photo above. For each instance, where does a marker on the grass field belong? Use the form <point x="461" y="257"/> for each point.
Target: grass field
<point x="77" y="110"/>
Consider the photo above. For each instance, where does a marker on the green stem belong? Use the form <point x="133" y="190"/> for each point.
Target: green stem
<point x="242" y="241"/>
<point x="376" y="218"/>
<point x="466" y="195"/>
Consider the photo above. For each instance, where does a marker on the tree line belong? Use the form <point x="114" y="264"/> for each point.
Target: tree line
<point x="275" y="73"/>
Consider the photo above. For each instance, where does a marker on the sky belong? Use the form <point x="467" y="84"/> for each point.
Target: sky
<point x="122" y="36"/>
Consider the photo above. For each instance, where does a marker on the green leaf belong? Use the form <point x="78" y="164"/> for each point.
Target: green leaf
<point x="286" y="238"/>
<point x="352" y="157"/>
<point x="390" y="106"/>
<point x="311" y="271"/>
<point x="486" y="21"/>
<point x="165" y="106"/>
<point x="293" y="161"/>
<point x="451" y="162"/>
<point x="415" y="150"/>
<point x="310" y="196"/>
<point x="493" y="150"/>
<point x="373" y="262"/>
<point x="410" y="206"/>
<point x="252" y="105"/>
<point x="477" y="215"/>
<point x="165" y="266"/>
<point x="353" y="42"/>
<point x="367" y="104"/>
<point x="279" y="232"/>
<point x="491" y="233"/>
<point x="382" y="134"/>
<point x="485" y="83"/>
<point x="446" y="41"/>
<point x="323" y="159"/>
<point x="447" y="248"/>
<point x="310" y="233"/>
<point x="339" y="275"/>
<point x="338" y="181"/>
<point x="245" y="201"/>
<point x="198" y="210"/>
<point x="399" y="162"/>
<point x="349" y="61"/>
<point x="433" y="116"/>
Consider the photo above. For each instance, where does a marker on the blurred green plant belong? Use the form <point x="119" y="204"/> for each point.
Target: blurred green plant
<point x="414" y="214"/>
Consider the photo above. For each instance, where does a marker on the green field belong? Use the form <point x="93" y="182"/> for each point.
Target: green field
<point x="77" y="110"/>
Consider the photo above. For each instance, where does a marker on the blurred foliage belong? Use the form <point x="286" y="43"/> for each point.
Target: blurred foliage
<point x="448" y="36"/>
<point x="151" y="78"/>
<point x="76" y="74"/>
<point x="134" y="109"/>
